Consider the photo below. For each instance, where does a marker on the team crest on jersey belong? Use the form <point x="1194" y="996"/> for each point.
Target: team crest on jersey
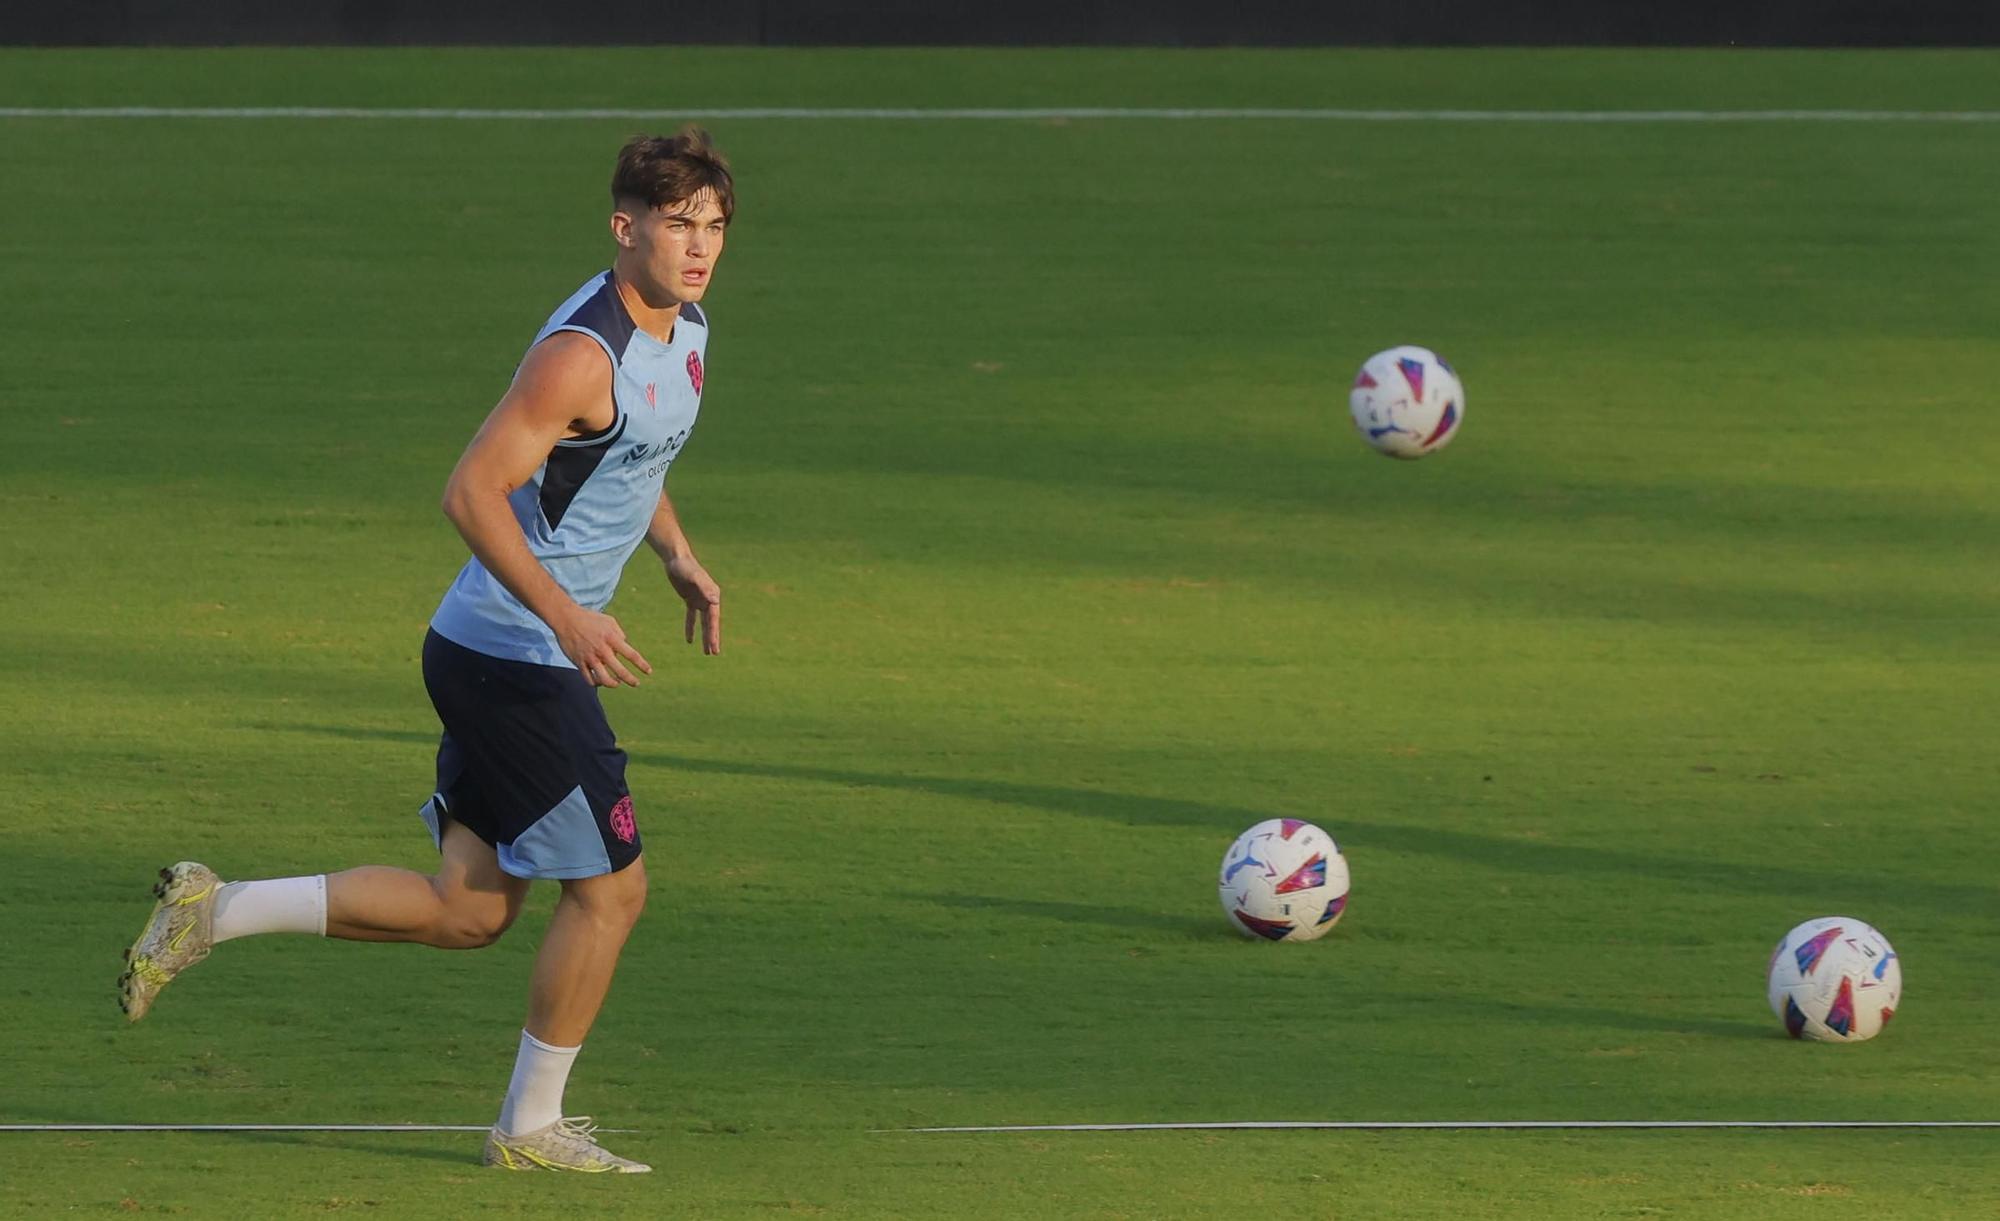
<point x="694" y="371"/>
<point x="652" y="396"/>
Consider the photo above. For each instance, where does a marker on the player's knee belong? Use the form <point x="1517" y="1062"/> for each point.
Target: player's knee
<point x="629" y="895"/>
<point x="615" y="899"/>
<point x="471" y="925"/>
<point x="477" y="930"/>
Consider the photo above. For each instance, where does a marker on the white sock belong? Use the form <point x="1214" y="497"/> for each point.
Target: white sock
<point x="534" y="1096"/>
<point x="276" y="905"/>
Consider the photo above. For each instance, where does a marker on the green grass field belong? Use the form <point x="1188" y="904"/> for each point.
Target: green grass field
<point x="1051" y="563"/>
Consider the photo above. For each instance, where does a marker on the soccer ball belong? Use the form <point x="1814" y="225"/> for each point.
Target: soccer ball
<point x="1407" y="402"/>
<point x="1284" y="879"/>
<point x="1835" y="980"/>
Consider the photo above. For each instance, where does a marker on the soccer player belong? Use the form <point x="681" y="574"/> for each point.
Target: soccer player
<point x="555" y="492"/>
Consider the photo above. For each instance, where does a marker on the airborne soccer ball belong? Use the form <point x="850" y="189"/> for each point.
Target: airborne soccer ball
<point x="1407" y="402"/>
<point x="1835" y="980"/>
<point x="1284" y="879"/>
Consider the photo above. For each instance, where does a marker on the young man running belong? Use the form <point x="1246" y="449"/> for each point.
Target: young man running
<point x="561" y="484"/>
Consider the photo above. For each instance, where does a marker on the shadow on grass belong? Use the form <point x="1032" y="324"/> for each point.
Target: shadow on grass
<point x="1206" y="929"/>
<point x="380" y="1144"/>
<point x="1689" y="869"/>
<point x="1491" y="851"/>
<point x="412" y="1145"/>
<point x="1578" y="1017"/>
<point x="1453" y="1005"/>
<point x="350" y="733"/>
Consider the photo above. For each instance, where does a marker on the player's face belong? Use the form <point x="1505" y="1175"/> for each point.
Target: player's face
<point x="676" y="246"/>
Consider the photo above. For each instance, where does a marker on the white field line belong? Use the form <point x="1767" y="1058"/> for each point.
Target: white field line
<point x="1015" y="113"/>
<point x="1264" y="1125"/>
<point x="253" y="1127"/>
<point x="1465" y="1125"/>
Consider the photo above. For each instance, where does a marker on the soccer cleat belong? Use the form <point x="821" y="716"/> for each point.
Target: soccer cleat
<point x="178" y="934"/>
<point x="566" y="1144"/>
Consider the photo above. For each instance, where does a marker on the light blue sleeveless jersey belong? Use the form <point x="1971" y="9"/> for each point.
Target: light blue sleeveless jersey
<point x="587" y="509"/>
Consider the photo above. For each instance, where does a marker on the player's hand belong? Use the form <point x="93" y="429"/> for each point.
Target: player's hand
<point x="703" y="597"/>
<point x="596" y="643"/>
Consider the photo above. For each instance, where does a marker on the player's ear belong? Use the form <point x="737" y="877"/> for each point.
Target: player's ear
<point x="621" y="228"/>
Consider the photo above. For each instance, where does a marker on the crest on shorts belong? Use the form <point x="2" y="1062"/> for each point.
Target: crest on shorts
<point x="623" y="825"/>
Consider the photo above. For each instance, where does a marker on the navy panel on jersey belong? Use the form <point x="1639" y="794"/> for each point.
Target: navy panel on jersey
<point x="528" y="764"/>
<point x="604" y="314"/>
<point x="568" y="466"/>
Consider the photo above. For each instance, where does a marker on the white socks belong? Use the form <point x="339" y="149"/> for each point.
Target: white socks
<point x="277" y="905"/>
<point x="534" y="1096"/>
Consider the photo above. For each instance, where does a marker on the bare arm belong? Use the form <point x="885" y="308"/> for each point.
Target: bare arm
<point x="562" y="389"/>
<point x="665" y="535"/>
<point x="689" y="579"/>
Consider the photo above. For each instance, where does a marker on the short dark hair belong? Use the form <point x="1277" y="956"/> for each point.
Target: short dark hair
<point x="662" y="170"/>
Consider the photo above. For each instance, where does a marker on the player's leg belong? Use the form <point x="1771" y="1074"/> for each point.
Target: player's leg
<point x="589" y="841"/>
<point x="580" y="951"/>
<point x="573" y="970"/>
<point x="530" y="762"/>
<point x="466" y="904"/>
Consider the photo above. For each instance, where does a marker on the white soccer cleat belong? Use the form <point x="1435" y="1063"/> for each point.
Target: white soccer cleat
<point x="566" y="1144"/>
<point x="178" y="934"/>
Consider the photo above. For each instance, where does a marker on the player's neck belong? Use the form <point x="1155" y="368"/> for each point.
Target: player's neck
<point x="654" y="320"/>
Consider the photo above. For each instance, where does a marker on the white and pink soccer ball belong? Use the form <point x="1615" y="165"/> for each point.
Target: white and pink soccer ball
<point x="1835" y="980"/>
<point x="1407" y="402"/>
<point x="1284" y="880"/>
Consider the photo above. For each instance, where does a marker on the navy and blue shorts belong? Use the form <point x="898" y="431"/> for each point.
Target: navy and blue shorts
<point x="528" y="763"/>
